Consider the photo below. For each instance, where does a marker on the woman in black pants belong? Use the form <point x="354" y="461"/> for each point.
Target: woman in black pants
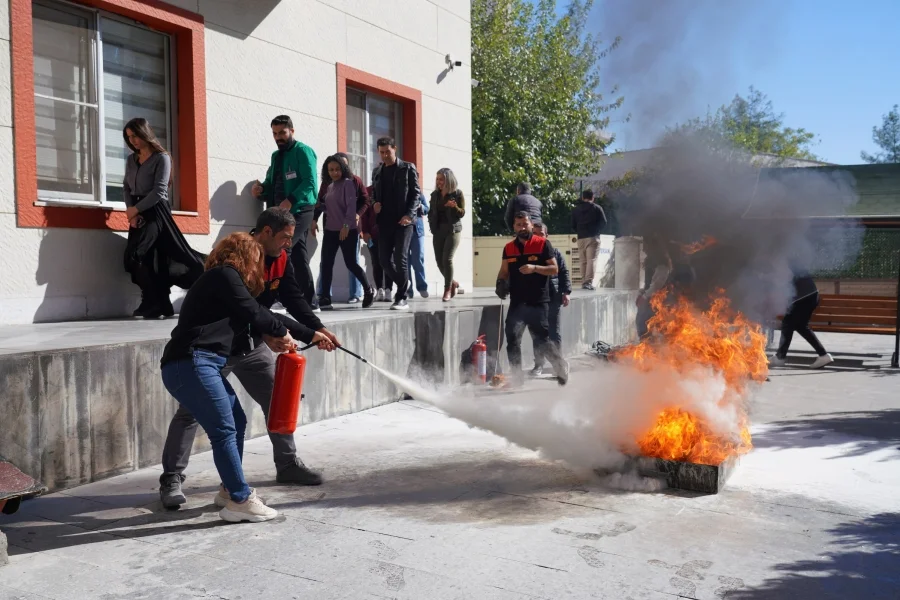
<point x="806" y="299"/>
<point x="341" y="228"/>
<point x="157" y="255"/>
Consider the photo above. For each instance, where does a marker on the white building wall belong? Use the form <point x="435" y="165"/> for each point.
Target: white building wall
<point x="263" y="58"/>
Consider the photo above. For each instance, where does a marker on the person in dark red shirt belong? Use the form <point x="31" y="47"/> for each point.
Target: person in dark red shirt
<point x="253" y="364"/>
<point x="528" y="264"/>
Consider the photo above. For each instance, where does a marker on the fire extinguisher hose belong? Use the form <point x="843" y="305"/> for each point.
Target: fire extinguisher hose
<point x="353" y="354"/>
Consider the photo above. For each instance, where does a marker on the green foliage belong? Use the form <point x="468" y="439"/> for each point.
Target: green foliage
<point x="886" y="137"/>
<point x="536" y="113"/>
<point x="750" y="124"/>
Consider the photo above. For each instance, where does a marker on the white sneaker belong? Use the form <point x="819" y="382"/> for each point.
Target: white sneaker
<point x="253" y="510"/>
<point x="822" y="361"/>
<point x="222" y="498"/>
<point x="774" y="361"/>
<point x="379" y="295"/>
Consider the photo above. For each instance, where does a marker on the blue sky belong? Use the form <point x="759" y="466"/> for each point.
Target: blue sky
<point x="832" y="67"/>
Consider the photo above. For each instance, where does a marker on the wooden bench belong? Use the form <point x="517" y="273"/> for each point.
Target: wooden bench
<point x="855" y="314"/>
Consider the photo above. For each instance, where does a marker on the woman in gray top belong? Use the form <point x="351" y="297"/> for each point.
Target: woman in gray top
<point x="157" y="255"/>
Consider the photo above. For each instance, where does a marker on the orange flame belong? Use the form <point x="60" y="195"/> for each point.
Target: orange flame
<point x="685" y="338"/>
<point x="705" y="242"/>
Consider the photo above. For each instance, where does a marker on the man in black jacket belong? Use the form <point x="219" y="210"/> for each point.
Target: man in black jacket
<point x="588" y="221"/>
<point x="523" y="202"/>
<point x="253" y="364"/>
<point x="560" y="290"/>
<point x="396" y="192"/>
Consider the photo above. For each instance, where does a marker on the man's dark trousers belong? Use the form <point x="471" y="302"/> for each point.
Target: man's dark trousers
<point x="256" y="372"/>
<point x="536" y="318"/>
<point x="553" y="315"/>
<point x="393" y="253"/>
<point x="300" y="253"/>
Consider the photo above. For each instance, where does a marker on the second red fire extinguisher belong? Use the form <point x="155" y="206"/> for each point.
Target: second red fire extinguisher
<point x="284" y="411"/>
<point x="479" y="359"/>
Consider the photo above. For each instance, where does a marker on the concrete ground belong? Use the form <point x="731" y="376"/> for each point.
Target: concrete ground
<point x="419" y="506"/>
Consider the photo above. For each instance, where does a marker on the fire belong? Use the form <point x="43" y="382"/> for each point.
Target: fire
<point x="705" y="242"/>
<point x="685" y="338"/>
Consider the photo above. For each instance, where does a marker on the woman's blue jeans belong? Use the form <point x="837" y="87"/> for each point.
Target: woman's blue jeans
<point x="198" y="384"/>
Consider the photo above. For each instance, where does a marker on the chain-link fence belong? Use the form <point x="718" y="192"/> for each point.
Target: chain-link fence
<point x="879" y="258"/>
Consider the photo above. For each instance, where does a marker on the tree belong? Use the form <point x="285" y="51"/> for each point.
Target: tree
<point x="750" y="124"/>
<point x="886" y="137"/>
<point x="536" y="112"/>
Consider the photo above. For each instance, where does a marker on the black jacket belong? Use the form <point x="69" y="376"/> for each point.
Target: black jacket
<point x="561" y="283"/>
<point x="404" y="200"/>
<point x="588" y="220"/>
<point x="219" y="308"/>
<point x="523" y="203"/>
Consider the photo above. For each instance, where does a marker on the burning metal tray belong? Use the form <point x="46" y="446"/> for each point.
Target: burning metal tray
<point x="694" y="477"/>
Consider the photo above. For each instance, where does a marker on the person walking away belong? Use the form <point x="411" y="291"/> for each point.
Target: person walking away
<point x="560" y="290"/>
<point x="588" y="222"/>
<point x="362" y="205"/>
<point x="369" y="231"/>
<point x="523" y="201"/>
<point x="219" y="307"/>
<point x="797" y="317"/>
<point x="341" y="229"/>
<point x="448" y="206"/>
<point x="291" y="183"/>
<point x="253" y="363"/>
<point x="156" y="255"/>
<point x="528" y="264"/>
<point x="396" y="203"/>
<point x="417" y="251"/>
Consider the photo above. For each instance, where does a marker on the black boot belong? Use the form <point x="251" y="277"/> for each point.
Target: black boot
<point x="143" y="307"/>
<point x="298" y="474"/>
<point x="170" y="493"/>
<point x="161" y="307"/>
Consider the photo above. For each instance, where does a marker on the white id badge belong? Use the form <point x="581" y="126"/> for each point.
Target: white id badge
<point x="290" y="175"/>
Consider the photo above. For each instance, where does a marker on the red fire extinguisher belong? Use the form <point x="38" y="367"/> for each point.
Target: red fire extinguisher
<point x="479" y="358"/>
<point x="284" y="411"/>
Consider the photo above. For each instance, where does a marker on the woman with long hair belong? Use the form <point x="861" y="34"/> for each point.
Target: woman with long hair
<point x="341" y="230"/>
<point x="157" y="255"/>
<point x="448" y="205"/>
<point x="219" y="307"/>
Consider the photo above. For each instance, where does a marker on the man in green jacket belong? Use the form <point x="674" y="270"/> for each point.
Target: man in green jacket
<point x="291" y="183"/>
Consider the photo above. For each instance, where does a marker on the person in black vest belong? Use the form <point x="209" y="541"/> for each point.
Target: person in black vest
<point x="395" y="184"/>
<point x="803" y="304"/>
<point x="253" y="363"/>
<point x="560" y="290"/>
<point x="528" y="264"/>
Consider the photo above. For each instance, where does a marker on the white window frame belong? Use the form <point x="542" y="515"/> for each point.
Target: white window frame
<point x="372" y="158"/>
<point x="99" y="200"/>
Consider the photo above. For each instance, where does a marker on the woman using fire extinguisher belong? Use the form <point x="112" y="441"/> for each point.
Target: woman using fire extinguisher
<point x="218" y="307"/>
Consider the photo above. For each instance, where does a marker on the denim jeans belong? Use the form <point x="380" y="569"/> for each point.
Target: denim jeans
<point x="198" y="384"/>
<point x="417" y="263"/>
<point x="356" y="288"/>
<point x="393" y="252"/>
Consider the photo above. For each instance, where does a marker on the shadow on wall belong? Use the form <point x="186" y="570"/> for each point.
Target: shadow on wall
<point x="237" y="211"/>
<point x="238" y="18"/>
<point x="84" y="275"/>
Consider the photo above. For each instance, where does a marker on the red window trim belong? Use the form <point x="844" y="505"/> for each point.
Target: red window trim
<point x="410" y="99"/>
<point x="188" y="30"/>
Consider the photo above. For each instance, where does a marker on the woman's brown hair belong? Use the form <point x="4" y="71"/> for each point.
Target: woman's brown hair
<point x="246" y="255"/>
<point x="142" y="129"/>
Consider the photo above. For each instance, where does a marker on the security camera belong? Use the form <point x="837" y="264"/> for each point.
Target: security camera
<point x="452" y="63"/>
<point x="475" y="83"/>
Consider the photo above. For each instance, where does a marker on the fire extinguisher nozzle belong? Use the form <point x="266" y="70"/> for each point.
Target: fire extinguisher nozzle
<point x="353" y="354"/>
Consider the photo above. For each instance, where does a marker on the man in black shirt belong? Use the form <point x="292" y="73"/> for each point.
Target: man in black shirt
<point x="560" y="290"/>
<point x="395" y="185"/>
<point x="528" y="264"/>
<point x="524" y="202"/>
<point x="253" y="363"/>
<point x="588" y="221"/>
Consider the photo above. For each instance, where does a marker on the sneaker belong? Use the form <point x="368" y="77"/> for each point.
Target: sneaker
<point x="774" y="361"/>
<point x="298" y="474"/>
<point x="424" y="293"/>
<point x="368" y="298"/>
<point x="400" y="304"/>
<point x="253" y="510"/>
<point x="379" y="295"/>
<point x="316" y="308"/>
<point x="536" y="371"/>
<point x="170" y="493"/>
<point x="324" y="302"/>
<point x="353" y="301"/>
<point x="563" y="378"/>
<point x="820" y="362"/>
<point x="222" y="498"/>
